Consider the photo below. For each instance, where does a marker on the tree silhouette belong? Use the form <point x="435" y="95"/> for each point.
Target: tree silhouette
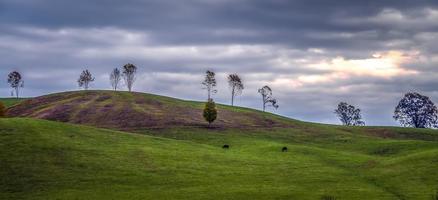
<point x="85" y="79"/>
<point x="349" y="115"/>
<point x="236" y="86"/>
<point x="129" y="72"/>
<point x="16" y="82"/>
<point x="268" y="100"/>
<point x="416" y="110"/>
<point x="115" y="78"/>
<point x="209" y="83"/>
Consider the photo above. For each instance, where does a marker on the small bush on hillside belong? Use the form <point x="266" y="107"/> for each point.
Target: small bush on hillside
<point x="2" y="110"/>
<point x="210" y="111"/>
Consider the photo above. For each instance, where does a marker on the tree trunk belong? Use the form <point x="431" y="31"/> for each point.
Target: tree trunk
<point x="264" y="103"/>
<point x="16" y="92"/>
<point x="232" y="97"/>
<point x="416" y="124"/>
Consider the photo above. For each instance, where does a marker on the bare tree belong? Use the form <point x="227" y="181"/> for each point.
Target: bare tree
<point x="209" y="83"/>
<point x="349" y="115"/>
<point x="268" y="100"/>
<point x="16" y="82"/>
<point x="115" y="78"/>
<point x="129" y="72"/>
<point x="85" y="79"/>
<point x="416" y="110"/>
<point x="236" y="86"/>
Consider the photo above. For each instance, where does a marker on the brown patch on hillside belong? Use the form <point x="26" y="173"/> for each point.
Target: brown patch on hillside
<point x="382" y="133"/>
<point x="130" y="111"/>
<point x="405" y="133"/>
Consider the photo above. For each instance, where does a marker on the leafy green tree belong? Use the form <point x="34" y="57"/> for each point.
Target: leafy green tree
<point x="210" y="112"/>
<point x="349" y="115"/>
<point x="2" y="110"/>
<point x="416" y="110"/>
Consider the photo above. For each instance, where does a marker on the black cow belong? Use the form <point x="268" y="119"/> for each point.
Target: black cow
<point x="284" y="149"/>
<point x="226" y="146"/>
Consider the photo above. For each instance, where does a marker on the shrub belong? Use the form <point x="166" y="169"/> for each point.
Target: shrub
<point x="2" y="110"/>
<point x="210" y="111"/>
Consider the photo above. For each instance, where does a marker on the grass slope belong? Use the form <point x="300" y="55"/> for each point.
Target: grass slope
<point x="51" y="160"/>
<point x="128" y="111"/>
<point x="11" y="101"/>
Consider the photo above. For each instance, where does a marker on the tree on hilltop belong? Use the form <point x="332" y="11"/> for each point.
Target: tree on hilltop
<point x="85" y="79"/>
<point x="267" y="98"/>
<point x="416" y="110"/>
<point x="16" y="82"/>
<point x="209" y="83"/>
<point x="129" y="72"/>
<point x="349" y="115"/>
<point x="115" y="78"/>
<point x="236" y="85"/>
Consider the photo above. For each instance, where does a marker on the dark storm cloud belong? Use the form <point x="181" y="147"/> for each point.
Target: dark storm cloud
<point x="277" y="42"/>
<point x="219" y="21"/>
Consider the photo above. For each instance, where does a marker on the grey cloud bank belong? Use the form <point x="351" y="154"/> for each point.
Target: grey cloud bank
<point x="313" y="53"/>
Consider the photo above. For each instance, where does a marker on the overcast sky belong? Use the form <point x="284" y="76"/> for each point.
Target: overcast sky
<point x="313" y="53"/>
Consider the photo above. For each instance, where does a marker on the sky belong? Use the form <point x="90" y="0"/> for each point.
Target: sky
<point x="312" y="53"/>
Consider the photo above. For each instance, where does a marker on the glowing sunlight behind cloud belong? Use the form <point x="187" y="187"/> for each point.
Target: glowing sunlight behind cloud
<point x="383" y="65"/>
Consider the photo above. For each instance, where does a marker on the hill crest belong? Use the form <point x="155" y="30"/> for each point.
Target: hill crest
<point x="132" y="110"/>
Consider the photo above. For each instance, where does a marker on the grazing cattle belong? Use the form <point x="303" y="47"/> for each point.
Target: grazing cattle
<point x="226" y="146"/>
<point x="284" y="149"/>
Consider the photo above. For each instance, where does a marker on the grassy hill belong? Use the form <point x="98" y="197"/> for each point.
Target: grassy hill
<point x="127" y="111"/>
<point x="11" y="101"/>
<point x="51" y="160"/>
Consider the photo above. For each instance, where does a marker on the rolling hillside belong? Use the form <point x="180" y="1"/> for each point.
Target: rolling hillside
<point x="177" y="157"/>
<point x="127" y="111"/>
<point x="11" y="101"/>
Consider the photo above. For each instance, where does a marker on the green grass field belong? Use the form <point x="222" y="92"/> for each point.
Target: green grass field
<point x="51" y="160"/>
<point x="42" y="159"/>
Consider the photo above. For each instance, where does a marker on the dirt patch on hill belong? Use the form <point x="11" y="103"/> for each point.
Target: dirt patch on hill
<point x="405" y="133"/>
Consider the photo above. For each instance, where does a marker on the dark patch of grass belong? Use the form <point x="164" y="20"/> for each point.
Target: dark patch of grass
<point x="385" y="151"/>
<point x="328" y="197"/>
